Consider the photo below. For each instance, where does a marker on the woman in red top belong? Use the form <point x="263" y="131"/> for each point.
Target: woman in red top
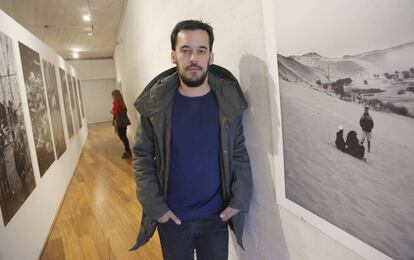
<point x="121" y="120"/>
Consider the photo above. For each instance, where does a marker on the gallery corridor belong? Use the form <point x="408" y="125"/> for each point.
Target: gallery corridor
<point x="99" y="216"/>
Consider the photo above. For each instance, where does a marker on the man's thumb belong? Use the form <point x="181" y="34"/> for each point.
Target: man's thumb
<point x="174" y="218"/>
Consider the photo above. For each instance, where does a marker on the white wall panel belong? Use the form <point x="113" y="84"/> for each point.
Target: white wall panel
<point x="98" y="99"/>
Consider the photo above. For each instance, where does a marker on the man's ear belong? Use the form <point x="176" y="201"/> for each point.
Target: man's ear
<point x="173" y="57"/>
<point x="211" y="58"/>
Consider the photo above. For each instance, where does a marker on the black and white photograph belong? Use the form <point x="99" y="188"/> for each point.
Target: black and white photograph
<point x="75" y="90"/>
<point x="346" y="78"/>
<point x="54" y="107"/>
<point x="80" y="98"/>
<point x="72" y="102"/>
<point x="16" y="171"/>
<point x="66" y="103"/>
<point x="36" y="98"/>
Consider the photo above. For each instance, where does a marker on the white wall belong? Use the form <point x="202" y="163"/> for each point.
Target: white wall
<point x="245" y="45"/>
<point x="25" y="234"/>
<point x="94" y="69"/>
<point x="98" y="99"/>
<point x="98" y="81"/>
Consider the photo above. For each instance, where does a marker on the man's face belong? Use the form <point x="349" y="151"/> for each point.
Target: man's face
<point x="366" y="110"/>
<point x="192" y="56"/>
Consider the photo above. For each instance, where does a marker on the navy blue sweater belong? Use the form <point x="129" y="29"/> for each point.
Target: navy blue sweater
<point x="194" y="179"/>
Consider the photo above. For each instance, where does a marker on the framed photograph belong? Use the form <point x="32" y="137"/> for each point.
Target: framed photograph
<point x="347" y="111"/>
<point x="80" y="98"/>
<point x="16" y="172"/>
<point x="66" y="102"/>
<point x="49" y="71"/>
<point x="72" y="102"/>
<point x="75" y="90"/>
<point x="36" y="98"/>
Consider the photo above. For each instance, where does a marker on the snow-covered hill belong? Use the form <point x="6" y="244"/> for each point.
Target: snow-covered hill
<point x="295" y="71"/>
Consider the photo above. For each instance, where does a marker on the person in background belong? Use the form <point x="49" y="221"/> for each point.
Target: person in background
<point x="121" y="120"/>
<point x="191" y="165"/>
<point x="366" y="124"/>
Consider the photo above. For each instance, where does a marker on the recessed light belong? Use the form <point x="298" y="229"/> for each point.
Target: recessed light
<point x="90" y="33"/>
<point x="86" y="18"/>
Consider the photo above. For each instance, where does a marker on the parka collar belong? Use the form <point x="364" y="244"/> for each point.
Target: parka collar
<point x="159" y="94"/>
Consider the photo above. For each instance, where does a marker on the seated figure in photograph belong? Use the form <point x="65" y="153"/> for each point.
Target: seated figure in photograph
<point x="353" y="147"/>
<point x="339" y="142"/>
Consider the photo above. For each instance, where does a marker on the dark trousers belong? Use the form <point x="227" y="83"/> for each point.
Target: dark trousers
<point x="208" y="237"/>
<point x="123" y="136"/>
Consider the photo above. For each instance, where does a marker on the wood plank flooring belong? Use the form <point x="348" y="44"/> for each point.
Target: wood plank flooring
<point x="100" y="214"/>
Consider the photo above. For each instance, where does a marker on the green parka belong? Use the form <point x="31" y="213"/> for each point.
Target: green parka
<point x="151" y="153"/>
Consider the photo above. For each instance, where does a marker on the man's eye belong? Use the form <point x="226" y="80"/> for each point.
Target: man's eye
<point x="185" y="51"/>
<point x="202" y="51"/>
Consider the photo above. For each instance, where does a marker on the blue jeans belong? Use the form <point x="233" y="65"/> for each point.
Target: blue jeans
<point x="208" y="237"/>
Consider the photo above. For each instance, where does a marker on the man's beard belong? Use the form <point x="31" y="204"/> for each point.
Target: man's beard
<point x="192" y="83"/>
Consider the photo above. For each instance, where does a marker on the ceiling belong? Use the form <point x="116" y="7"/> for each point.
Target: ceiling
<point x="60" y="25"/>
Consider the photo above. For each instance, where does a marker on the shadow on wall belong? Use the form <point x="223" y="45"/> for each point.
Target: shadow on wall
<point x="263" y="237"/>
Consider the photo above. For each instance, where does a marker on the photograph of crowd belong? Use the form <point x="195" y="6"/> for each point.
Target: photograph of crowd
<point x="54" y="107"/>
<point x="36" y="98"/>
<point x="16" y="171"/>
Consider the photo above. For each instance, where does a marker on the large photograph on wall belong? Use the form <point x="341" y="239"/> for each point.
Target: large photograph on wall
<point x="72" y="101"/>
<point x="54" y="107"/>
<point x="75" y="89"/>
<point x="346" y="83"/>
<point x="66" y="103"/>
<point x="16" y="171"/>
<point x="80" y="98"/>
<point x="36" y="98"/>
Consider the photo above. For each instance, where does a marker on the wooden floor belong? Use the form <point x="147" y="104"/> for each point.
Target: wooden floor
<point x="100" y="215"/>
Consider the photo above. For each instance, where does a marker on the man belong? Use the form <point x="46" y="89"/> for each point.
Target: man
<point x="191" y="166"/>
<point x="366" y="124"/>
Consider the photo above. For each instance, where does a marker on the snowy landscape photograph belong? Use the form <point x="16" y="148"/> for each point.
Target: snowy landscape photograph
<point x="346" y="79"/>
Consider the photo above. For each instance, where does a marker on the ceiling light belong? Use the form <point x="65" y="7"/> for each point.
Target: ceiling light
<point x="87" y="18"/>
<point x="75" y="55"/>
<point x="91" y="32"/>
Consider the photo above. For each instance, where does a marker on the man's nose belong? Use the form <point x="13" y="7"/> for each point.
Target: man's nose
<point x="193" y="56"/>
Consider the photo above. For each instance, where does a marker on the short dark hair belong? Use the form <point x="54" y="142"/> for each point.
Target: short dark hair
<point x="191" y="25"/>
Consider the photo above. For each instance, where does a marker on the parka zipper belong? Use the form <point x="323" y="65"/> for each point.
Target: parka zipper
<point x="223" y="153"/>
